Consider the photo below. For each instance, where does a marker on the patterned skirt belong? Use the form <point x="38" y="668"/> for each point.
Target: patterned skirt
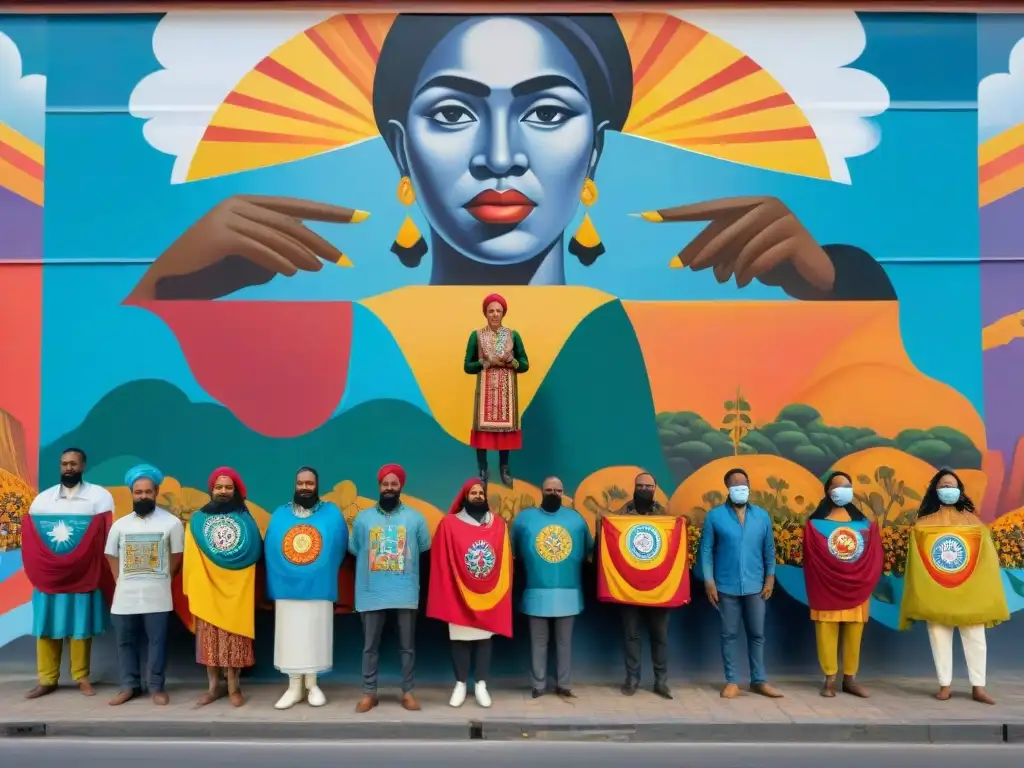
<point x="216" y="647"/>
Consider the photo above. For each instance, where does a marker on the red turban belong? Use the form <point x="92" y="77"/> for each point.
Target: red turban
<point x="226" y="472"/>
<point x="498" y="298"/>
<point x="456" y="506"/>
<point x="389" y="469"/>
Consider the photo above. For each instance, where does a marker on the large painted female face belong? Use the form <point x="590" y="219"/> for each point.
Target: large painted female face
<point x="499" y="139"/>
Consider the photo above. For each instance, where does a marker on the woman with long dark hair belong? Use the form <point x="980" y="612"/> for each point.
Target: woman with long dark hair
<point x="953" y="581"/>
<point x="842" y="563"/>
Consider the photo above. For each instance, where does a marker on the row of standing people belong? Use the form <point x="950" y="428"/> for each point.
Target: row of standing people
<point x="307" y="539"/>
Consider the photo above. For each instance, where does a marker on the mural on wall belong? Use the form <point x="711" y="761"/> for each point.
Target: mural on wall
<point x="689" y="215"/>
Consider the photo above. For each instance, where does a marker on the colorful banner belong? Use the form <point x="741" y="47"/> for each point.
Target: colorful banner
<point x="842" y="563"/>
<point x="63" y="553"/>
<point x="643" y="561"/>
<point x="471" y="575"/>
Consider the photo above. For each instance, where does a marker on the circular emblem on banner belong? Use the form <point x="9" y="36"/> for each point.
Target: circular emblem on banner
<point x="480" y="559"/>
<point x="846" y="544"/>
<point x="949" y="553"/>
<point x="644" y="541"/>
<point x="223" y="533"/>
<point x="302" y="544"/>
<point x="553" y="543"/>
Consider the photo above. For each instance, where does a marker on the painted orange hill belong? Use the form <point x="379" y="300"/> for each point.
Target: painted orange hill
<point x="845" y="360"/>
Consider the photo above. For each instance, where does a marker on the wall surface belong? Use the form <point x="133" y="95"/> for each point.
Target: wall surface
<point x="844" y="191"/>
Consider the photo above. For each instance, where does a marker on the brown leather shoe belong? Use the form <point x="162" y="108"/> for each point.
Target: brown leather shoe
<point x="122" y="696"/>
<point x="828" y="690"/>
<point x="366" y="703"/>
<point x="731" y="691"/>
<point x="945" y="693"/>
<point x="40" y="690"/>
<point x="161" y="699"/>
<point x="409" y="702"/>
<point x="763" y="689"/>
<point x="854" y="688"/>
<point x="86" y="688"/>
<point x="980" y="695"/>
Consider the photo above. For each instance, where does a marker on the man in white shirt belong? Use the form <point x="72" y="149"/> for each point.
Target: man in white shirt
<point x="144" y="550"/>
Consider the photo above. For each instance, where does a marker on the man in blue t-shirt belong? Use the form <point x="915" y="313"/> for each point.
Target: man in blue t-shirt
<point x="551" y="544"/>
<point x="387" y="541"/>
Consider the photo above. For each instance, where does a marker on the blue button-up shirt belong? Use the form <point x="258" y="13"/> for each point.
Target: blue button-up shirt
<point x="737" y="557"/>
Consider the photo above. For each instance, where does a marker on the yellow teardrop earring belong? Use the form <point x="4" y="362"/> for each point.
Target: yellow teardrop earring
<point x="586" y="244"/>
<point x="409" y="245"/>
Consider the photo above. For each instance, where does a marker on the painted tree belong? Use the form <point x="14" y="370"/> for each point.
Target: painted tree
<point x="737" y="423"/>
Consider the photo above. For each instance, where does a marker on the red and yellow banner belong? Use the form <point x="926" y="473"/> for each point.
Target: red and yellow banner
<point x="471" y="575"/>
<point x="643" y="561"/>
<point x="950" y="554"/>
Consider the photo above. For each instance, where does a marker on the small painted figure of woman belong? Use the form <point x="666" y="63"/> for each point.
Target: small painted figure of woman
<point x="496" y="356"/>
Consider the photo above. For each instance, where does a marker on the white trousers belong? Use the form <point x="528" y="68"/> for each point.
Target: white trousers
<point x="975" y="652"/>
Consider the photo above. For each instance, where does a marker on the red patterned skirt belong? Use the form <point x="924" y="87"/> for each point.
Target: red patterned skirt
<point x="216" y="647"/>
<point x="496" y="411"/>
<point x="496" y="441"/>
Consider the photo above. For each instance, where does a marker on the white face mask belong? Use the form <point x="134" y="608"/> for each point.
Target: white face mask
<point x="841" y="496"/>
<point x="738" y="494"/>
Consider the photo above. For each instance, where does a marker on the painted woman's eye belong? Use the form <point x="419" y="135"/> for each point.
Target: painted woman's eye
<point x="548" y="115"/>
<point x="452" y="114"/>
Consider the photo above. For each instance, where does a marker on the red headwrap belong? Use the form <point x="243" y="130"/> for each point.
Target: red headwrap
<point x="227" y="472"/>
<point x="456" y="506"/>
<point x="389" y="469"/>
<point x="498" y="298"/>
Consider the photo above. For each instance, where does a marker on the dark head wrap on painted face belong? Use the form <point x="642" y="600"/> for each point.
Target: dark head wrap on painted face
<point x="306" y="499"/>
<point x="825" y="506"/>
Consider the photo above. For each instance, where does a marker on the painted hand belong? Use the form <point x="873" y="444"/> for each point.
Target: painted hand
<point x="751" y="238"/>
<point x="245" y="240"/>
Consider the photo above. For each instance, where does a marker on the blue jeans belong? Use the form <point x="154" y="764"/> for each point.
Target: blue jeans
<point x="130" y="630"/>
<point x="749" y="609"/>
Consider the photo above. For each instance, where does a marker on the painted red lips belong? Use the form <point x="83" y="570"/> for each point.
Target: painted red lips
<point x="500" y="207"/>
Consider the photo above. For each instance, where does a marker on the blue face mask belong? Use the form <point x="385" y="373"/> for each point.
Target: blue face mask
<point x="948" y="496"/>
<point x="841" y="496"/>
<point x="739" y="494"/>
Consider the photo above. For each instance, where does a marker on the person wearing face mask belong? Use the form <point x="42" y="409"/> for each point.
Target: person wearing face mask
<point x="953" y="582"/>
<point x="223" y="544"/>
<point x="62" y="554"/>
<point x="471" y="586"/>
<point x="306" y="541"/>
<point x="387" y="541"/>
<point x="144" y="550"/>
<point x="843" y="561"/>
<point x="550" y="543"/>
<point x="737" y="561"/>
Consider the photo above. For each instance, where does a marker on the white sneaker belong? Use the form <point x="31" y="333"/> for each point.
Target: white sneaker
<point x="292" y="696"/>
<point x="483" y="698"/>
<point x="314" y="695"/>
<point x="458" y="695"/>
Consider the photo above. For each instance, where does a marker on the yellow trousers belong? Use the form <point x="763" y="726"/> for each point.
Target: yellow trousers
<point x="827" y="633"/>
<point x="48" y="653"/>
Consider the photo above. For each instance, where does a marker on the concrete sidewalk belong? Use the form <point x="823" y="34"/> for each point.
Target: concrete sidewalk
<point x="899" y="711"/>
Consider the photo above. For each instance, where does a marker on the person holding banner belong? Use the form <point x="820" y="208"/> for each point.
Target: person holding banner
<point x="471" y="586"/>
<point x="222" y="546"/>
<point x="72" y="586"/>
<point x="642" y="566"/>
<point x="953" y="581"/>
<point x="843" y="561"/>
<point x="737" y="556"/>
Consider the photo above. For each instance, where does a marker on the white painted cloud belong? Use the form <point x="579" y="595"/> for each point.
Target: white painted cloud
<point x="808" y="53"/>
<point x="22" y="97"/>
<point x="204" y="56"/>
<point x="1001" y="97"/>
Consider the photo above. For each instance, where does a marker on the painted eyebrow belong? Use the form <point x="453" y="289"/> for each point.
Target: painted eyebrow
<point x="455" y="83"/>
<point x="543" y="83"/>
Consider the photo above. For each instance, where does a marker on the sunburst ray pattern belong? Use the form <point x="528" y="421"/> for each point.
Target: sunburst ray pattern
<point x="21" y="165"/>
<point x="1001" y="165"/>
<point x="695" y="91"/>
<point x="311" y="95"/>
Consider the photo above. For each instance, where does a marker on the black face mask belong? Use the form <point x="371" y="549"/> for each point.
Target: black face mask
<point x="70" y="479"/>
<point x="306" y="499"/>
<point x="476" y="510"/>
<point x="143" y="507"/>
<point x="551" y="502"/>
<point x="643" y="499"/>
<point x="388" y="501"/>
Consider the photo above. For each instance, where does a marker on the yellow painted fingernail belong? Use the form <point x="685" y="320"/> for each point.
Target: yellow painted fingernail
<point x="654" y="216"/>
<point x="344" y="261"/>
<point x="358" y="216"/>
<point x="675" y="263"/>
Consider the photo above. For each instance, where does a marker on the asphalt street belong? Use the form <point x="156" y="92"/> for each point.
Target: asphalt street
<point x="102" y="753"/>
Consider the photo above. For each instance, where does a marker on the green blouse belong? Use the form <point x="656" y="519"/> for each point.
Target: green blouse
<point x="472" y="363"/>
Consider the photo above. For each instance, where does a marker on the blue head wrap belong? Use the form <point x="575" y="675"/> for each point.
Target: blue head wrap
<point x="140" y="471"/>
